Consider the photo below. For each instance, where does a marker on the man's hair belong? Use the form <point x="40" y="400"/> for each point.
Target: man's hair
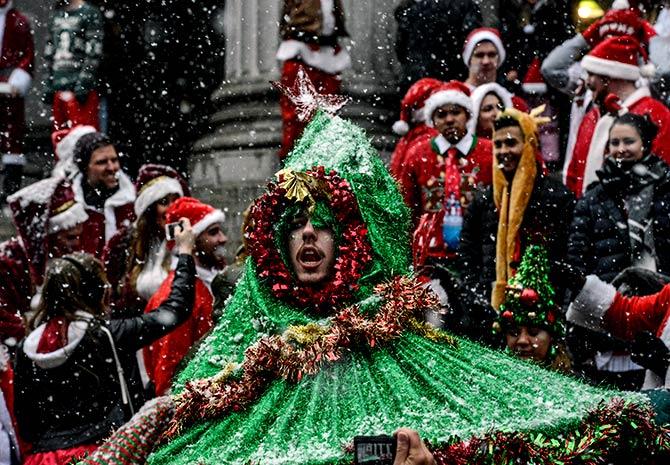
<point x="86" y="145"/>
<point x="505" y="122"/>
<point x="644" y="126"/>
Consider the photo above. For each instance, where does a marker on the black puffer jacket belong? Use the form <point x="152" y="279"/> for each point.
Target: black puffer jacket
<point x="546" y="221"/>
<point x="599" y="240"/>
<point x="73" y="396"/>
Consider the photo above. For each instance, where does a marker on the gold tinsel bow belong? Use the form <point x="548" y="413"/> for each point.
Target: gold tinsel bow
<point x="298" y="185"/>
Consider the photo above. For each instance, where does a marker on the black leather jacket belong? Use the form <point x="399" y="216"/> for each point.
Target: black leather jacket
<point x="80" y="400"/>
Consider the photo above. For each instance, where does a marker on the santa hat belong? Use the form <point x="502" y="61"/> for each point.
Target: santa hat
<point x="533" y="83"/>
<point x="155" y="182"/>
<point x="411" y="106"/>
<point x="40" y="209"/>
<point x="64" y="142"/>
<point x="449" y="93"/>
<point x="201" y="215"/>
<point x="616" y="57"/>
<point x="482" y="91"/>
<point x="480" y="35"/>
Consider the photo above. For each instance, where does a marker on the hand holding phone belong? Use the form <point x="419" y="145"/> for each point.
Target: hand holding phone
<point x="182" y="233"/>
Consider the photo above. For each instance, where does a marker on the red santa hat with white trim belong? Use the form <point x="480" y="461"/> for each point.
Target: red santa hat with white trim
<point x="533" y="82"/>
<point x="617" y="57"/>
<point x="201" y="215"/>
<point x="411" y="106"/>
<point x="449" y="93"/>
<point x="64" y="142"/>
<point x="482" y="34"/>
<point x="40" y="210"/>
<point x="154" y="182"/>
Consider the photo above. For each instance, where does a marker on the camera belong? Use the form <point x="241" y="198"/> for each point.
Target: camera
<point x="375" y="450"/>
<point x="170" y="229"/>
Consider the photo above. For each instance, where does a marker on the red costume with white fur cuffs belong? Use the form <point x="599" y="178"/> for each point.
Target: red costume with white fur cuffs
<point x="600" y="307"/>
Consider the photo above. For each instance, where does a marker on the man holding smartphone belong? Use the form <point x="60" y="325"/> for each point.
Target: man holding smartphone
<point x="163" y="356"/>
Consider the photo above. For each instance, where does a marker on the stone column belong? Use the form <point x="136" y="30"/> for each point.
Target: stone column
<point x="231" y="165"/>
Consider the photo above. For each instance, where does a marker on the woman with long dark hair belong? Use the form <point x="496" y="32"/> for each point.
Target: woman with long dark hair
<point x="70" y="386"/>
<point x="136" y="258"/>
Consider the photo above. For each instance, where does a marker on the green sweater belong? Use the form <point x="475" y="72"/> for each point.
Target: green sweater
<point x="74" y="50"/>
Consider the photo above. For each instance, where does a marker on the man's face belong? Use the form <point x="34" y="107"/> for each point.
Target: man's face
<point x="507" y="148"/>
<point x="103" y="167"/>
<point x="597" y="84"/>
<point x="66" y="241"/>
<point x="210" y="246"/>
<point x="311" y="251"/>
<point x="529" y="342"/>
<point x="484" y="61"/>
<point x="451" y="121"/>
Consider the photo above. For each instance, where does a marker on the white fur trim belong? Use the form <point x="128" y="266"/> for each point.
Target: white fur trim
<point x="217" y="216"/>
<point x="75" y="333"/>
<point x="534" y="87"/>
<point x="444" y="97"/>
<point x="21" y="80"/>
<point x="620" y="5"/>
<point x="13" y="159"/>
<point x="648" y="70"/>
<point x="155" y="192"/>
<point x="610" y="68"/>
<point x="401" y="127"/>
<point x="125" y="195"/>
<point x="591" y="304"/>
<point x="70" y="218"/>
<point x="65" y="148"/>
<point x="478" y="95"/>
<point x="324" y="58"/>
<point x="481" y="37"/>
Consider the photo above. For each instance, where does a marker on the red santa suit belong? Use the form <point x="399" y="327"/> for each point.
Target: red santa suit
<point x="310" y="30"/>
<point x="118" y="212"/>
<point x="17" y="56"/>
<point x="439" y="178"/>
<point x="162" y="357"/>
<point x="616" y="58"/>
<point x="600" y="307"/>
<point x="591" y="143"/>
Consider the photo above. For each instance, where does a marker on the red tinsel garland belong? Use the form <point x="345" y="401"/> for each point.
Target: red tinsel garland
<point x="619" y="432"/>
<point x="275" y="357"/>
<point x="354" y="252"/>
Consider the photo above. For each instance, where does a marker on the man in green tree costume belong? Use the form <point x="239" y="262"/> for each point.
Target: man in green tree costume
<point x="301" y="361"/>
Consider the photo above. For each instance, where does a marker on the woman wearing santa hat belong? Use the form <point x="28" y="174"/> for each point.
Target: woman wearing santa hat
<point x="487" y="101"/>
<point x="70" y="386"/>
<point x="136" y="258"/>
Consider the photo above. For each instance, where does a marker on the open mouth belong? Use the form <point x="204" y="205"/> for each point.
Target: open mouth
<point x="310" y="257"/>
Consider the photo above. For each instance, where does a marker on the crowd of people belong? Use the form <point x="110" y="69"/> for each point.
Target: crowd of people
<point x="418" y="286"/>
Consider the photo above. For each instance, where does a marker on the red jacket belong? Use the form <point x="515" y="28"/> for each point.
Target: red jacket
<point x="162" y="357"/>
<point x="18" y="49"/>
<point x="424" y="167"/>
<point x="101" y="226"/>
<point x="16" y="288"/>
<point x="424" y="186"/>
<point x="600" y="307"/>
<point x="416" y="135"/>
<point x="646" y="104"/>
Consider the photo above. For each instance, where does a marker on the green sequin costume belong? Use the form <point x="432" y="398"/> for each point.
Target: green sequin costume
<point x="445" y="392"/>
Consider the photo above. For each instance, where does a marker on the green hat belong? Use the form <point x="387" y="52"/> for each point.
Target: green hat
<point x="530" y="299"/>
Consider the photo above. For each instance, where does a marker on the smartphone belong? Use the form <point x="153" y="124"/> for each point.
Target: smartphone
<point x="374" y="450"/>
<point x="170" y="229"/>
